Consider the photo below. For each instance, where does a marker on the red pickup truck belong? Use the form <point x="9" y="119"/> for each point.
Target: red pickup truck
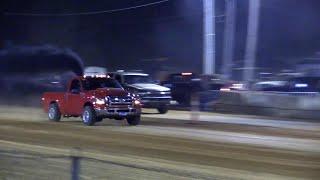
<point x="93" y="98"/>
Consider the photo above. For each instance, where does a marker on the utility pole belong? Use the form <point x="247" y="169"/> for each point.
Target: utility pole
<point x="229" y="34"/>
<point x="209" y="39"/>
<point x="252" y="36"/>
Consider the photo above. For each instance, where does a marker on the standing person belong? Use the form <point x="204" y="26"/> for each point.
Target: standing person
<point x="195" y="114"/>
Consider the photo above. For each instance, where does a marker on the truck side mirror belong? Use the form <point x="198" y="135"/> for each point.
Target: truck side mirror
<point x="75" y="91"/>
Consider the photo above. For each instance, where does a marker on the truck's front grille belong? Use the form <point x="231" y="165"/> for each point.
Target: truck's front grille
<point x="156" y="94"/>
<point x="119" y="101"/>
<point x="123" y="110"/>
<point x="115" y="110"/>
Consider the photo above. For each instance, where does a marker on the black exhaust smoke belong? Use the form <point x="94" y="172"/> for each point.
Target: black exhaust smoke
<point x="39" y="59"/>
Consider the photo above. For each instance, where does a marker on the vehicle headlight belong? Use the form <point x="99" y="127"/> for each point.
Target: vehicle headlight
<point x="107" y="99"/>
<point x="165" y="92"/>
<point x="100" y="101"/>
<point x="144" y="93"/>
<point x="137" y="102"/>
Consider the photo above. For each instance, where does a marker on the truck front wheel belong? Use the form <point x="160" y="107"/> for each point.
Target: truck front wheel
<point x="54" y="112"/>
<point x="89" y="116"/>
<point x="162" y="109"/>
<point x="133" y="120"/>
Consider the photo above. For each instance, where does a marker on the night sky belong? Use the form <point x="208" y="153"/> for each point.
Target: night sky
<point x="167" y="36"/>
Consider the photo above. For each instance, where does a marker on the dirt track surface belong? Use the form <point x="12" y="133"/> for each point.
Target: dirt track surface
<point x="163" y="147"/>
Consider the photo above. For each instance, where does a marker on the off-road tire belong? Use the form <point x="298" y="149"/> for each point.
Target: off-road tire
<point x="133" y="120"/>
<point x="89" y="116"/>
<point x="54" y="113"/>
<point x="162" y="109"/>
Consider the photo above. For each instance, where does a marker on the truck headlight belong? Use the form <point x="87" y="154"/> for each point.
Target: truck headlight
<point x="107" y="99"/>
<point x="100" y="101"/>
<point x="165" y="92"/>
<point x="137" y="102"/>
<point x="143" y="93"/>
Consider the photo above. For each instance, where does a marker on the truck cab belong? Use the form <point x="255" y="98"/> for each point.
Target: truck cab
<point x="93" y="98"/>
<point x="151" y="94"/>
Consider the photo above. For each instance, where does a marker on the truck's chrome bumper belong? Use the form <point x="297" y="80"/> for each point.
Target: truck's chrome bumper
<point x="121" y="112"/>
<point x="155" y="101"/>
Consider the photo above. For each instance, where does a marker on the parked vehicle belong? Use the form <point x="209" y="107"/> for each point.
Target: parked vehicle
<point x="304" y="84"/>
<point x="300" y="84"/>
<point x="184" y="84"/>
<point x="269" y="86"/>
<point x="151" y="94"/>
<point x="93" y="99"/>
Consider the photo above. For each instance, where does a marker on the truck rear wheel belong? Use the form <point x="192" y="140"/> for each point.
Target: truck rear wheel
<point x="54" y="113"/>
<point x="134" y="120"/>
<point x="89" y="116"/>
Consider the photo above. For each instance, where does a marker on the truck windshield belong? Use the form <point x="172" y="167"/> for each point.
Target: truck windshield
<point x="133" y="79"/>
<point x="96" y="83"/>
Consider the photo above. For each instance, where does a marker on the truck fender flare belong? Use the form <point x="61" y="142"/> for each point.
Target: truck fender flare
<point x="51" y="102"/>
